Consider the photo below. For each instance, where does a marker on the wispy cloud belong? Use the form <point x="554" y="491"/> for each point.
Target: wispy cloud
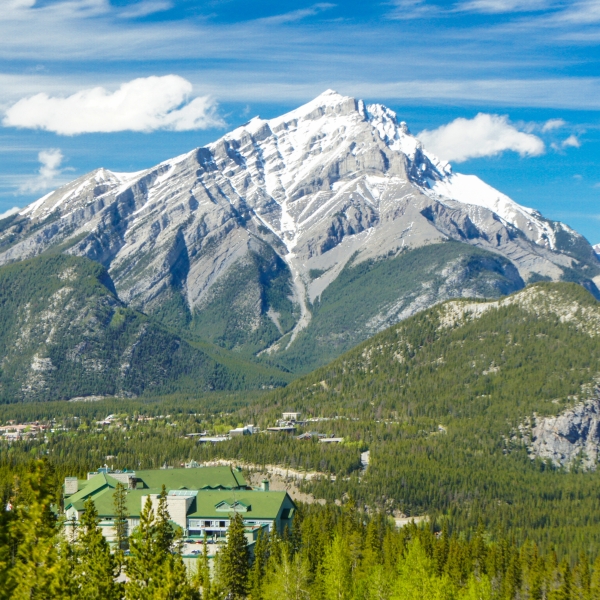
<point x="571" y="142"/>
<point x="580" y="12"/>
<point x="50" y="163"/>
<point x="297" y="15"/>
<point x="413" y="9"/>
<point x="484" y="135"/>
<point x="145" y="104"/>
<point x="145" y="8"/>
<point x="553" y="124"/>
<point x="504" y="6"/>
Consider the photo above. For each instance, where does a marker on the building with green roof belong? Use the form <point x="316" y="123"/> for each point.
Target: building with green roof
<point x="201" y="501"/>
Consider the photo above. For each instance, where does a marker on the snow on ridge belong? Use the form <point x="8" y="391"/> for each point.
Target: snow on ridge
<point x="469" y="189"/>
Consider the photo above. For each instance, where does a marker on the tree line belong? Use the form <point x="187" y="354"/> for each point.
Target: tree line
<point x="330" y="553"/>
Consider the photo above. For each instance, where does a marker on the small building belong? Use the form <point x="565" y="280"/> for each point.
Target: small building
<point x="291" y="416"/>
<point x="282" y="429"/>
<point x="246" y="430"/>
<point x="310" y="435"/>
<point x="331" y="440"/>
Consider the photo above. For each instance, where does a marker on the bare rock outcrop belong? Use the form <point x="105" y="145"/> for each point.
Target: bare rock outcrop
<point x="571" y="437"/>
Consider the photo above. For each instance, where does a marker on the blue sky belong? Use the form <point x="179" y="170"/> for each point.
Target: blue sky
<point x="183" y="73"/>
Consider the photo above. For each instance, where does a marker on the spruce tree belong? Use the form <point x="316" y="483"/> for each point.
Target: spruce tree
<point x="257" y="572"/>
<point x="337" y="574"/>
<point x="164" y="533"/>
<point x="155" y="567"/>
<point x="288" y="579"/>
<point x="141" y="567"/>
<point x="32" y="569"/>
<point x="235" y="559"/>
<point x="96" y="568"/>
<point x="121" y="514"/>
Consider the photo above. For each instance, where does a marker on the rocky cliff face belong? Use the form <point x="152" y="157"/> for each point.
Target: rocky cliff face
<point x="570" y="438"/>
<point x="260" y="223"/>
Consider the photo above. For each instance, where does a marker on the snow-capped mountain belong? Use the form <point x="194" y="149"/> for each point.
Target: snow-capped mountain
<point x="238" y="239"/>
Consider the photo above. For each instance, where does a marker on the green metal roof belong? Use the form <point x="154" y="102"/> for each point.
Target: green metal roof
<point x="94" y="485"/>
<point x="258" y="504"/>
<point x="207" y="504"/>
<point x="193" y="479"/>
<point x="177" y="481"/>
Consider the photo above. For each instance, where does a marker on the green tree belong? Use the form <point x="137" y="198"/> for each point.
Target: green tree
<point x="121" y="514"/>
<point x="235" y="559"/>
<point x="31" y="567"/>
<point x="417" y="579"/>
<point x="288" y="580"/>
<point x="96" y="568"/>
<point x="478" y="588"/>
<point x="141" y="566"/>
<point x="257" y="572"/>
<point x="337" y="575"/>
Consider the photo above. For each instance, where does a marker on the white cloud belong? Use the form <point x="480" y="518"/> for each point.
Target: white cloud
<point x="485" y="135"/>
<point x="553" y="124"/>
<point x="143" y="9"/>
<point x="144" y="104"/>
<point x="571" y="142"/>
<point x="504" y="6"/>
<point x="412" y="9"/>
<point x="50" y="161"/>
<point x="581" y="12"/>
<point x="9" y="212"/>
<point x="297" y="15"/>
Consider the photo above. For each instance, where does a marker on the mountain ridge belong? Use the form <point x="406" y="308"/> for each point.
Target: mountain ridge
<point x="267" y="217"/>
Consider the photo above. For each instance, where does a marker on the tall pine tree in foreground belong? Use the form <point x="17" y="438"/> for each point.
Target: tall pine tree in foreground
<point x="141" y="566"/>
<point x="29" y="559"/>
<point x="235" y="560"/>
<point x="120" y="523"/>
<point x="95" y="568"/>
<point x="155" y="567"/>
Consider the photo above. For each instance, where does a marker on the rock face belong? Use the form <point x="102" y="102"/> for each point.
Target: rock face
<point x="570" y="437"/>
<point x="236" y="241"/>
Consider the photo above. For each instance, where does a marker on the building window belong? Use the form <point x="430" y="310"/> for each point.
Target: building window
<point x="221" y="523"/>
<point x="206" y="523"/>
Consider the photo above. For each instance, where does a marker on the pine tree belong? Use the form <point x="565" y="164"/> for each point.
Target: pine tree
<point x="235" y="558"/>
<point x="96" y="568"/>
<point x="288" y="579"/>
<point x="595" y="581"/>
<point x="172" y="572"/>
<point x="201" y="577"/>
<point x="155" y="568"/>
<point x="142" y="565"/>
<point x="163" y="532"/>
<point x="257" y="572"/>
<point x="121" y="514"/>
<point x="337" y="574"/>
<point x="32" y="570"/>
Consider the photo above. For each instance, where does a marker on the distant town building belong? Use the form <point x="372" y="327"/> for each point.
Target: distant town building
<point x="291" y="416"/>
<point x="246" y="430"/>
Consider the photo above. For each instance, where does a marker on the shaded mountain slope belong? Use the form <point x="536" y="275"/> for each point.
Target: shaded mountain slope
<point x="64" y="334"/>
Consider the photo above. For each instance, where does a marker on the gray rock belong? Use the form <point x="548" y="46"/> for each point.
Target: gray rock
<point x="573" y="435"/>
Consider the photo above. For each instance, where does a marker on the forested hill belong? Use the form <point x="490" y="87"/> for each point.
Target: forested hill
<point x="64" y="333"/>
<point x="439" y="398"/>
<point x="535" y="351"/>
